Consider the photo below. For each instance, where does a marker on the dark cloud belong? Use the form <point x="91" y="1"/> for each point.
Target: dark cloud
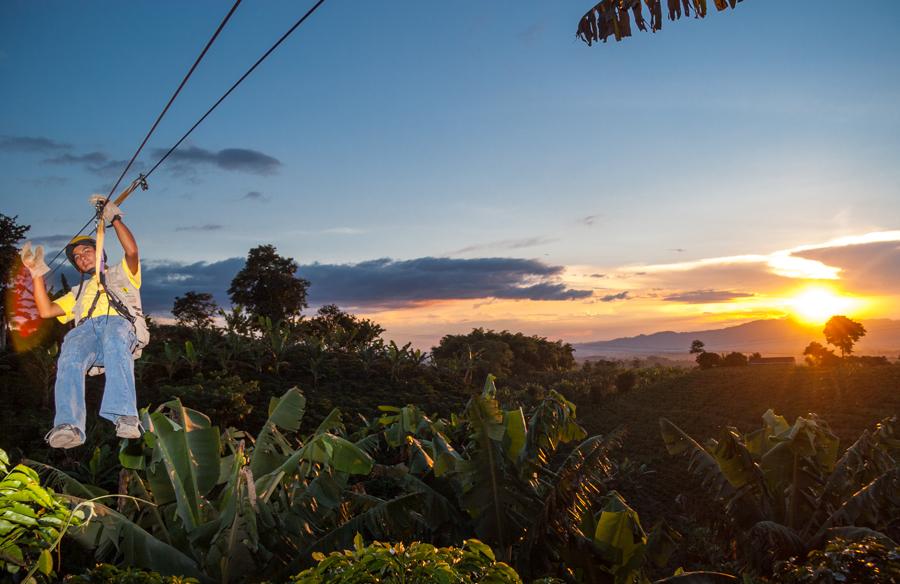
<point x="239" y="159"/>
<point x="207" y="227"/>
<point x="162" y="281"/>
<point x="374" y="283"/>
<point x="613" y="297"/>
<point x="256" y="196"/>
<point x="706" y="296"/>
<point x="31" y="144"/>
<point x="678" y="249"/>
<point x="386" y="282"/>
<point x="95" y="162"/>
<point x="52" y="241"/>
<point x="505" y="244"/>
<point x="598" y="275"/>
<point x="865" y="267"/>
<point x="89" y="158"/>
<point x="589" y="220"/>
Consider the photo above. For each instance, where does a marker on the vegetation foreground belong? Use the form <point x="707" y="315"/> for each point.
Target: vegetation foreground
<point x="525" y="493"/>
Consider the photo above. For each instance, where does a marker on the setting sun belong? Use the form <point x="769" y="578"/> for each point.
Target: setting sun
<point x="816" y="304"/>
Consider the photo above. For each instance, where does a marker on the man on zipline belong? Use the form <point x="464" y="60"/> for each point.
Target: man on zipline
<point x="109" y="332"/>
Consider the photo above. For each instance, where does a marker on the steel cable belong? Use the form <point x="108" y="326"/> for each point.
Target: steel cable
<point x="160" y="117"/>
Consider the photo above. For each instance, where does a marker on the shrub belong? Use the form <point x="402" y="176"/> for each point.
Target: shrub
<point x="31" y="519"/>
<point x="420" y="562"/>
<point x="868" y="561"/>
<point x="221" y="396"/>
<point x="626" y="381"/>
<point x="108" y="574"/>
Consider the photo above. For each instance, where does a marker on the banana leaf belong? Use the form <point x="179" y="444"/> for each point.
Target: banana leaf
<point x="113" y="535"/>
<point x="186" y="453"/>
<point x="285" y="413"/>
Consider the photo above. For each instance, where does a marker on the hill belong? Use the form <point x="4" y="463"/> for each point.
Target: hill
<point x="704" y="402"/>
<point x="770" y="337"/>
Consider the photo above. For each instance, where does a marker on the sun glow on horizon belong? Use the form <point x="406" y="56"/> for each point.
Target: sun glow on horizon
<point x="816" y="304"/>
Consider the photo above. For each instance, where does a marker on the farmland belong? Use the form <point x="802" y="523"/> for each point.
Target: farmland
<point x="702" y="403"/>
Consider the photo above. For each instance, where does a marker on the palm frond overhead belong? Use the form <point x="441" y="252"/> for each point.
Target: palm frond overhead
<point x="611" y="17"/>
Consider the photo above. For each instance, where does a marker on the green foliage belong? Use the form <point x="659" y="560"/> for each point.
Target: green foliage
<point x="109" y="574"/>
<point x="867" y="561"/>
<point x="418" y="562"/>
<point x="267" y="286"/>
<point x="503" y="354"/>
<point x="626" y="381"/>
<point x="32" y="521"/>
<point x="194" y="309"/>
<point x="223" y="397"/>
<point x="784" y="489"/>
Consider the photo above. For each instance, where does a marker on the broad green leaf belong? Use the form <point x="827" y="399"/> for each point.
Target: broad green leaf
<point x="110" y="530"/>
<point x="735" y="461"/>
<point x="338" y="453"/>
<point x="285" y="413"/>
<point x="516" y="433"/>
<point x="45" y="563"/>
<point x="620" y="535"/>
<point x="190" y="455"/>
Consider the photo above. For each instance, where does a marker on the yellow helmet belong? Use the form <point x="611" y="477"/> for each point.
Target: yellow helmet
<point x="76" y="241"/>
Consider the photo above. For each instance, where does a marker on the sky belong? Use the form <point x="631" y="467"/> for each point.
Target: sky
<point x="442" y="166"/>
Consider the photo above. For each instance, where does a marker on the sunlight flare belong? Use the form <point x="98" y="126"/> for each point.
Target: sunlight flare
<point x="816" y="304"/>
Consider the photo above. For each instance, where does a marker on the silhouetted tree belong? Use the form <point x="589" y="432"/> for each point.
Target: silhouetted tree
<point x="194" y="309"/>
<point x="817" y="355"/>
<point x="697" y="347"/>
<point x="708" y="360"/>
<point x="625" y="381"/>
<point x="734" y="359"/>
<point x="267" y="286"/>
<point x="503" y="353"/>
<point x="843" y="332"/>
<point x="341" y="330"/>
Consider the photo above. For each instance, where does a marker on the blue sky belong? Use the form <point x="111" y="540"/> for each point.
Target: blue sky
<point x="464" y="131"/>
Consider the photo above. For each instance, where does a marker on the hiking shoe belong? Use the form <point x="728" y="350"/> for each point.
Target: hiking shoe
<point x="128" y="427"/>
<point x="64" y="436"/>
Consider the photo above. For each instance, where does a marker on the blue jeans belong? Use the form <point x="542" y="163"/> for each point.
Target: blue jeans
<point x="106" y="341"/>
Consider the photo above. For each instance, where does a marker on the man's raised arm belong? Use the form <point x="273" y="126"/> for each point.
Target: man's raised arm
<point x="34" y="261"/>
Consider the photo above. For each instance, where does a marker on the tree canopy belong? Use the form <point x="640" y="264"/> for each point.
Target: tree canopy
<point x="843" y="333"/>
<point x="194" y="309"/>
<point x="268" y="287"/>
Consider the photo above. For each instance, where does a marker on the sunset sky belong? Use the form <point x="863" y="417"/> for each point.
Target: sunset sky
<point x="441" y="166"/>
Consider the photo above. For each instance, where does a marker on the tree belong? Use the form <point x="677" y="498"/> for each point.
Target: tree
<point x="843" y="332"/>
<point x="817" y="355"/>
<point x="709" y="360"/>
<point x="341" y="330"/>
<point x="267" y="286"/>
<point x="11" y="233"/>
<point x="697" y="347"/>
<point x="734" y="359"/>
<point x="610" y="17"/>
<point x="194" y="309"/>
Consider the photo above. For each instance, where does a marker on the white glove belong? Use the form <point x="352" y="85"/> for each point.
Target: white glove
<point x="34" y="260"/>
<point x="110" y="210"/>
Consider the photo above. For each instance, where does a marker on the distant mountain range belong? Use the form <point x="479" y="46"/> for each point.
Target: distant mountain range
<point x="777" y="337"/>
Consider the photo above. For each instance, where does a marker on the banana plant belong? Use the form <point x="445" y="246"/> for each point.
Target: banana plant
<point x="225" y="506"/>
<point x="495" y="465"/>
<point x="785" y="489"/>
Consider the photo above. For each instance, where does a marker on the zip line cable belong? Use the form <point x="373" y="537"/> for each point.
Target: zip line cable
<point x="142" y="178"/>
<point x="162" y="114"/>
